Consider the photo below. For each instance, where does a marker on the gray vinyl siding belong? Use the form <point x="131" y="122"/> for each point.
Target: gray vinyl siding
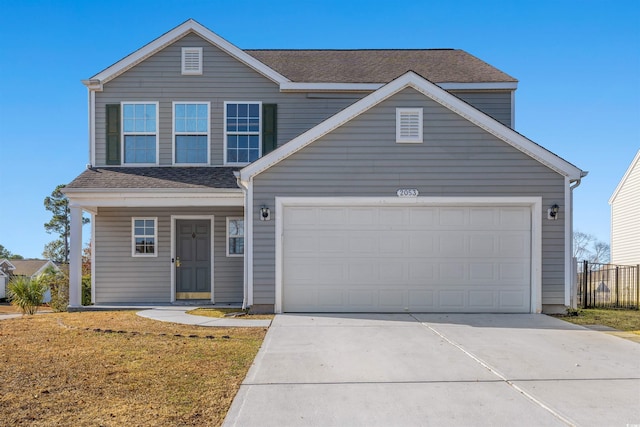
<point x="625" y="227"/>
<point x="224" y="78"/>
<point x="361" y="158"/>
<point x="159" y="79"/>
<point x="122" y="278"/>
<point x="496" y="104"/>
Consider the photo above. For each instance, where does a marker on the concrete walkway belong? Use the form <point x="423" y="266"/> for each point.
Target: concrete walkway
<point x="440" y="370"/>
<point x="179" y="315"/>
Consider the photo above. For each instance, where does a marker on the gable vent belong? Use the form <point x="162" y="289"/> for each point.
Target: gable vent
<point x="409" y="125"/>
<point x="192" y="60"/>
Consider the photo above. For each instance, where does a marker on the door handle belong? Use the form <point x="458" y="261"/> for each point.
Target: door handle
<point x="178" y="262"/>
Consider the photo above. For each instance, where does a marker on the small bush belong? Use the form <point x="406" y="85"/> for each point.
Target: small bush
<point x="58" y="282"/>
<point x="26" y="293"/>
<point x="86" y="289"/>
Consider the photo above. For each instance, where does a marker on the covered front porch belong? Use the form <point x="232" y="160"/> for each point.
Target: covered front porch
<point x="153" y="245"/>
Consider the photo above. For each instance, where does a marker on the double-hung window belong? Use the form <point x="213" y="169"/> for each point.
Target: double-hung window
<point x="139" y="130"/>
<point x="191" y="132"/>
<point x="235" y="236"/>
<point x="242" y="132"/>
<point x="144" y="237"/>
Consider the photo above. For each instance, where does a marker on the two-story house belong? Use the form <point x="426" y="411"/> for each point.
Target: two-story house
<point x="318" y="180"/>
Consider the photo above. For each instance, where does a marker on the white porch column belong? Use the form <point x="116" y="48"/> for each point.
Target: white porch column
<point x="75" y="258"/>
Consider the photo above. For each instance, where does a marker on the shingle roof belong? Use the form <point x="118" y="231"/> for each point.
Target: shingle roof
<point x="27" y="267"/>
<point x="156" y="177"/>
<point x="379" y="66"/>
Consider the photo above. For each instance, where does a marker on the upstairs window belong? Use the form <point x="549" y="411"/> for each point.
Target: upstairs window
<point x="191" y="132"/>
<point x="139" y="130"/>
<point x="409" y="125"/>
<point x="242" y="132"/>
<point x="192" y="60"/>
<point x="145" y="234"/>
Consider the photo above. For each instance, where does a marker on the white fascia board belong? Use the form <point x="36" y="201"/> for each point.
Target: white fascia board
<point x="631" y="167"/>
<point x="44" y="267"/>
<point x="89" y="200"/>
<point x="6" y="261"/>
<point x="432" y="91"/>
<point x="168" y="38"/>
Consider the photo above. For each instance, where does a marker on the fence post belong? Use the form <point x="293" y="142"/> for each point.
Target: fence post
<point x="638" y="286"/>
<point x="617" y="287"/>
<point x="585" y="295"/>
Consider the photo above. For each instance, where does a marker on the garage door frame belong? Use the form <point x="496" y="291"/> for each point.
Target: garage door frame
<point x="534" y="203"/>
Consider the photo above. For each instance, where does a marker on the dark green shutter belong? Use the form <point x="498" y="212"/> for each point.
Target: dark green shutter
<point x="269" y="128"/>
<point x="113" y="134"/>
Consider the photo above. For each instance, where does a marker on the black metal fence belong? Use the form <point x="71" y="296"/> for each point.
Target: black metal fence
<point x="608" y="285"/>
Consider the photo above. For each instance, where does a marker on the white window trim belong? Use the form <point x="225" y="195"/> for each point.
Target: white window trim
<point x="174" y="133"/>
<point x="156" y="133"/>
<point x="403" y="139"/>
<point x="185" y="51"/>
<point x="133" y="236"/>
<point x="236" y="218"/>
<point x="225" y="133"/>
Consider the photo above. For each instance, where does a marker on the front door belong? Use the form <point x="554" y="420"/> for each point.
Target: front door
<point x="193" y="259"/>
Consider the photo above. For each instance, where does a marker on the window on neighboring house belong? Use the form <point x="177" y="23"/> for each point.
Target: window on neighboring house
<point x="242" y="131"/>
<point x="191" y="130"/>
<point x="235" y="236"/>
<point x="139" y="130"/>
<point x="409" y="125"/>
<point x="145" y="233"/>
<point x="192" y="60"/>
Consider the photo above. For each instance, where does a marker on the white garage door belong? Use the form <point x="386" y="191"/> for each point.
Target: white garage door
<point x="406" y="258"/>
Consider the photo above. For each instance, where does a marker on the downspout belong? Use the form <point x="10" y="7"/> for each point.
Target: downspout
<point x="245" y="192"/>
<point x="573" y="184"/>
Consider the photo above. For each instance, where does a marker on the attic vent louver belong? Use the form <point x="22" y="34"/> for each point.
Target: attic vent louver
<point x="192" y="60"/>
<point x="409" y="125"/>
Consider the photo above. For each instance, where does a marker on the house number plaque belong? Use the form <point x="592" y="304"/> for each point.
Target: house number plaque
<point x="407" y="192"/>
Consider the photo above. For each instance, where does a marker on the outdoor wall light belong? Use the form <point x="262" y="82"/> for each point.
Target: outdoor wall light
<point x="552" y="212"/>
<point x="265" y="213"/>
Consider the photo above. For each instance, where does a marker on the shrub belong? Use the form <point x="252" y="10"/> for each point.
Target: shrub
<point x="86" y="289"/>
<point x="58" y="282"/>
<point x="27" y="293"/>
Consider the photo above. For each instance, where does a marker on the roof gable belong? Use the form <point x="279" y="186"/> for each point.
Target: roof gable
<point x="631" y="169"/>
<point x="434" y="92"/>
<point x="31" y="267"/>
<point x="170" y="37"/>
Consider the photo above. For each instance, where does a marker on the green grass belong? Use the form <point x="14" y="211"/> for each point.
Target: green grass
<point x="623" y="320"/>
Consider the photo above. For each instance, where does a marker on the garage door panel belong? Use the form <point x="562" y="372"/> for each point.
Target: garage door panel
<point x="399" y="258"/>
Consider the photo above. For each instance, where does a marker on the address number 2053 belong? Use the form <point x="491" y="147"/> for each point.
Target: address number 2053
<point x="407" y="192"/>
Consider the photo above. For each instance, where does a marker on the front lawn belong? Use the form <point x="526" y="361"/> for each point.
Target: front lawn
<point x="623" y="320"/>
<point x="116" y="368"/>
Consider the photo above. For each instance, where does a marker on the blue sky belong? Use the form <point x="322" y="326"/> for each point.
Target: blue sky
<point x="578" y="63"/>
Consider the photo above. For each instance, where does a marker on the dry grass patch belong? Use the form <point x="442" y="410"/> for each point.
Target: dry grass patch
<point x="222" y="312"/>
<point x="622" y="320"/>
<point x="7" y="308"/>
<point x="116" y="368"/>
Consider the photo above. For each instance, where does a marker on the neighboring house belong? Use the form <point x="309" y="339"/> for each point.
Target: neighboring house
<point x="625" y="211"/>
<point x="31" y="268"/>
<point x="317" y="180"/>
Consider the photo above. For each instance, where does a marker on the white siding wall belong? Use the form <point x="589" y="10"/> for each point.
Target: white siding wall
<point x="625" y="219"/>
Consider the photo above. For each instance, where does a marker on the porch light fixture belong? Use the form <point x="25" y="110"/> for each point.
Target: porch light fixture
<point x="265" y="213"/>
<point x="552" y="212"/>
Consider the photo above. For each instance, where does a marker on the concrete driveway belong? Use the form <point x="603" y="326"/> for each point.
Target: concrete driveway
<point x="438" y="370"/>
